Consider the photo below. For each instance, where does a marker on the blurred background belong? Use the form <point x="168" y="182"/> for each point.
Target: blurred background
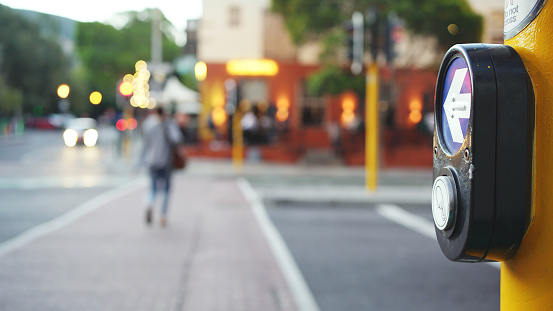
<point x="286" y="64"/>
<point x="286" y="84"/>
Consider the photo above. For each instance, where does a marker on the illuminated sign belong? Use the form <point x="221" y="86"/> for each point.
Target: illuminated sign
<point x="252" y="67"/>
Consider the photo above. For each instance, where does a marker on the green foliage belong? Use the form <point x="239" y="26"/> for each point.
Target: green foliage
<point x="312" y="18"/>
<point x="11" y="100"/>
<point x="332" y="80"/>
<point x="107" y="53"/>
<point x="432" y="17"/>
<point x="32" y="64"/>
<point x="189" y="80"/>
<point x="323" y="20"/>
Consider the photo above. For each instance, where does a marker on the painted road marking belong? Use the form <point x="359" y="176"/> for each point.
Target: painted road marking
<point x="296" y="282"/>
<point x="414" y="222"/>
<point x="70" y="216"/>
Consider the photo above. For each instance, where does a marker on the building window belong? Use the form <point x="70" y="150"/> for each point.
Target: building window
<point x="234" y="16"/>
<point x="312" y="109"/>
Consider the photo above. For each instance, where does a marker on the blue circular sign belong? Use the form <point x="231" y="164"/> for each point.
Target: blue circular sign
<point x="456" y="105"/>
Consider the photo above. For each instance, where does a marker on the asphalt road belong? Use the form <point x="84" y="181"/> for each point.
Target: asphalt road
<point x="354" y="259"/>
<point x="41" y="179"/>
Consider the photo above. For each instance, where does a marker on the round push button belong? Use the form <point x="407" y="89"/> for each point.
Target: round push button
<point x="443" y="202"/>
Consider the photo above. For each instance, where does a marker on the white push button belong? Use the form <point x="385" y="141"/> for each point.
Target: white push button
<point x="443" y="202"/>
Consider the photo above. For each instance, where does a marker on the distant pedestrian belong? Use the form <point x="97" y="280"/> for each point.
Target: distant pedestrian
<point x="159" y="134"/>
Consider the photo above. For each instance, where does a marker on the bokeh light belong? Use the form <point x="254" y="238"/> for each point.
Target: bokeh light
<point x="349" y="103"/>
<point x="219" y="116"/>
<point x="63" y="91"/>
<point x="90" y="137"/>
<point x="201" y="71"/>
<point x="70" y="137"/>
<point x="140" y="65"/>
<point x="453" y="29"/>
<point x="131" y="124"/>
<point x="95" y="98"/>
<point x="282" y="109"/>
<point x="121" y="124"/>
<point x="125" y="88"/>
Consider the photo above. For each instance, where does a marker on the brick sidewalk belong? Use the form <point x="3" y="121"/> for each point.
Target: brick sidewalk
<point x="212" y="256"/>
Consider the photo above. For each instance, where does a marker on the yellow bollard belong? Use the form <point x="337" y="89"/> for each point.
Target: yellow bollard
<point x="237" y="142"/>
<point x="527" y="278"/>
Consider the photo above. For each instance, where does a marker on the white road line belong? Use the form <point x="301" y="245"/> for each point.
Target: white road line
<point x="302" y="294"/>
<point x="411" y="221"/>
<point x="70" y="216"/>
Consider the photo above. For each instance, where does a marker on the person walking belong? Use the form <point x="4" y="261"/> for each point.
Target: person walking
<point x="159" y="134"/>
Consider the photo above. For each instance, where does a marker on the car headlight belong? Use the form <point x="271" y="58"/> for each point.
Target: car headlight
<point x="90" y="137"/>
<point x="70" y="137"/>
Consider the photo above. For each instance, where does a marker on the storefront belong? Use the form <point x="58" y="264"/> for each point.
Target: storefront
<point x="282" y="123"/>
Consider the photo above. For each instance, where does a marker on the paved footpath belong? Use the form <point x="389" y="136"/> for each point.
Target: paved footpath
<point x="212" y="256"/>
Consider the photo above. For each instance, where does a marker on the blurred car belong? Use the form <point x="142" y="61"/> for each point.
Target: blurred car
<point x="81" y="131"/>
<point x="41" y="123"/>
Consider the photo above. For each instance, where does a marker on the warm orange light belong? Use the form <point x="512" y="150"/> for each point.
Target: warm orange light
<point x="131" y="124"/>
<point x="415" y="116"/>
<point x="415" y="104"/>
<point x="219" y="116"/>
<point x="282" y="114"/>
<point x="125" y="88"/>
<point x="218" y="98"/>
<point x="63" y="91"/>
<point x="95" y="98"/>
<point x="252" y="67"/>
<point x="348" y="111"/>
<point x="415" y="107"/>
<point x="347" y="117"/>
<point x="283" y="103"/>
<point x="348" y="104"/>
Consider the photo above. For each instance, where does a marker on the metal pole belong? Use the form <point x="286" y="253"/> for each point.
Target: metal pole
<point x="527" y="278"/>
<point x="371" y="127"/>
<point x="237" y="141"/>
<point x="157" y="57"/>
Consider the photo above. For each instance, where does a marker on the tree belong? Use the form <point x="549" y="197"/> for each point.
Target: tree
<point x="307" y="19"/>
<point x="32" y="64"/>
<point x="449" y="21"/>
<point x="107" y="53"/>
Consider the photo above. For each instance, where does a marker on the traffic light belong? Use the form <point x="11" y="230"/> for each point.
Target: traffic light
<point x="355" y="43"/>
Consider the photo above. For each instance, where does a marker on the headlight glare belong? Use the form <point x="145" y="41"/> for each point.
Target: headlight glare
<point x="90" y="137"/>
<point x="70" y="137"/>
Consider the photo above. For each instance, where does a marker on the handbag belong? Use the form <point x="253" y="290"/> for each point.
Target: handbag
<point x="178" y="152"/>
<point x="179" y="157"/>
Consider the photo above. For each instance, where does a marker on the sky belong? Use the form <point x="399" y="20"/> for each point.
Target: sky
<point x="176" y="11"/>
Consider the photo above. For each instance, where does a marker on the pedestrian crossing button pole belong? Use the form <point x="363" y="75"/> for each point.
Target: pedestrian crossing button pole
<point x="482" y="153"/>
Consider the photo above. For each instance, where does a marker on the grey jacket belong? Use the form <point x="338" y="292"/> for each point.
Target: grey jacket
<point x="158" y="138"/>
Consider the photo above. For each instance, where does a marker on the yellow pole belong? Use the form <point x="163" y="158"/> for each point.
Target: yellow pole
<point x="371" y="128"/>
<point x="237" y="141"/>
<point x="527" y="278"/>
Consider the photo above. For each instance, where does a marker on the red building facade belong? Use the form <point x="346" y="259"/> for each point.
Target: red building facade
<point x="289" y="125"/>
